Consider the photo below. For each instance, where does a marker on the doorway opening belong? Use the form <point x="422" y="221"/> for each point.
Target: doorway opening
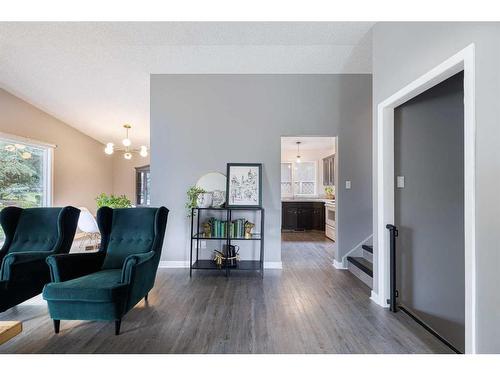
<point x="429" y="209"/>
<point x="384" y="204"/>
<point x="309" y="175"/>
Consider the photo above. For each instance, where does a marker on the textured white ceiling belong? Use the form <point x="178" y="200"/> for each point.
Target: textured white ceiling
<point x="95" y="76"/>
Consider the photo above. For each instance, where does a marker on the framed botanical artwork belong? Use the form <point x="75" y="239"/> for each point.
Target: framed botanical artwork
<point x="244" y="185"/>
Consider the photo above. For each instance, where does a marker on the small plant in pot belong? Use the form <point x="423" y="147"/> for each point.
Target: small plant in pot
<point x="330" y="192"/>
<point x="113" y="201"/>
<point x="192" y="195"/>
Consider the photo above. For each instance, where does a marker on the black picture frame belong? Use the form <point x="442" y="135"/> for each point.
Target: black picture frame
<point x="258" y="203"/>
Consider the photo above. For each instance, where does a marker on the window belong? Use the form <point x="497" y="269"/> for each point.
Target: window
<point x="298" y="178"/>
<point x="143" y="186"/>
<point x="286" y="179"/>
<point x="304" y="178"/>
<point x="25" y="174"/>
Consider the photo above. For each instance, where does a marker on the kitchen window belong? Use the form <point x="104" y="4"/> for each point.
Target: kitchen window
<point x="298" y="179"/>
<point x="286" y="180"/>
<point x="25" y="173"/>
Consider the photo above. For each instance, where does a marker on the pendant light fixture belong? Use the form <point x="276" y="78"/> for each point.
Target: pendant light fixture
<point x="127" y="143"/>
<point x="298" y="152"/>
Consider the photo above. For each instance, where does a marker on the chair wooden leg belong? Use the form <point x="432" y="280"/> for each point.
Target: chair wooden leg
<point x="146" y="297"/>
<point x="57" y="324"/>
<point x="117" y="326"/>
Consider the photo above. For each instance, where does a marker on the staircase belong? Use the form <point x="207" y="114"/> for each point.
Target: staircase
<point x="362" y="266"/>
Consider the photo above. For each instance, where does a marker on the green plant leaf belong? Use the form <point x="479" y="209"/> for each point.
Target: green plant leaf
<point x="113" y="201"/>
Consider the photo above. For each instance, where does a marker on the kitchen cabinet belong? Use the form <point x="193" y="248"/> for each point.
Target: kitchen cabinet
<point x="303" y="216"/>
<point x="289" y="215"/>
<point x="329" y="170"/>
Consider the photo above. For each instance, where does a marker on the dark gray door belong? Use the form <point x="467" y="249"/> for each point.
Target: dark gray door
<point x="429" y="209"/>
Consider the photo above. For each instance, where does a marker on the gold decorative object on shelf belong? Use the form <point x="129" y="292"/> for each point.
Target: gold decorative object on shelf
<point x="220" y="258"/>
<point x="207" y="230"/>
<point x="248" y="229"/>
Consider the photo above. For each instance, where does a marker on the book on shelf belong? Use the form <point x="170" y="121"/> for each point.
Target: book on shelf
<point x="223" y="228"/>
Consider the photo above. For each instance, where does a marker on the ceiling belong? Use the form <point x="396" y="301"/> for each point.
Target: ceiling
<point x="95" y="76"/>
<point x="307" y="143"/>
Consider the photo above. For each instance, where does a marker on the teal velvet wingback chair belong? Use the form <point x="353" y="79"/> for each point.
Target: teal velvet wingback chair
<point x="106" y="284"/>
<point x="31" y="235"/>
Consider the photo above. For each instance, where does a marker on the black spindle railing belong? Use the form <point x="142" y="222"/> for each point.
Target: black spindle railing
<point x="393" y="233"/>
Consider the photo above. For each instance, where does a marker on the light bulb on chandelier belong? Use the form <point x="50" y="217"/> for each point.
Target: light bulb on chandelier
<point x="127" y="155"/>
<point x="144" y="151"/>
<point x="127" y="142"/>
<point x="109" y="148"/>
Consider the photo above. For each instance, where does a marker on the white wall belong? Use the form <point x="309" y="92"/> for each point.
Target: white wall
<point x="401" y="53"/>
<point x="201" y="122"/>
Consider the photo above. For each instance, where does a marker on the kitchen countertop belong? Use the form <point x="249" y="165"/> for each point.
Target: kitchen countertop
<point x="324" y="200"/>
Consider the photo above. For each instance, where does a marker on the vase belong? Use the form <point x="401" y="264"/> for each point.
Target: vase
<point x="204" y="200"/>
<point x="218" y="198"/>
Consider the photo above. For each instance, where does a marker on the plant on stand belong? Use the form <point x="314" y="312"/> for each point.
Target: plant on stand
<point x="192" y="195"/>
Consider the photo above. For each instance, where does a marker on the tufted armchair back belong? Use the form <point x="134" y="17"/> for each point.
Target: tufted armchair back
<point x="38" y="229"/>
<point x="126" y="231"/>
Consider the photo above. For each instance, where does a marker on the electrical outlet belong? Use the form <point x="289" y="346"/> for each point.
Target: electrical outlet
<point x="348" y="184"/>
<point x="203" y="244"/>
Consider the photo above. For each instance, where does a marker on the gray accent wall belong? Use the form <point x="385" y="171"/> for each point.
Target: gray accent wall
<point x="401" y="53"/>
<point x="201" y="122"/>
<point x="429" y="209"/>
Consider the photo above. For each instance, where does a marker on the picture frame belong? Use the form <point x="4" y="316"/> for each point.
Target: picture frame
<point x="244" y="185"/>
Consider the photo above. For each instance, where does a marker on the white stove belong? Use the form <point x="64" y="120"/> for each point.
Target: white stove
<point x="330" y="227"/>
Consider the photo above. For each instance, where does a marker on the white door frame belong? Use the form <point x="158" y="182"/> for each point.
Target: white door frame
<point x="463" y="60"/>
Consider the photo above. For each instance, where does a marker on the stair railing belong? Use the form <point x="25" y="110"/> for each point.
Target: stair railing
<point x="393" y="233"/>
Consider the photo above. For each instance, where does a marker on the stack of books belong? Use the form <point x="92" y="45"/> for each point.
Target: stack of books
<point x="220" y="228"/>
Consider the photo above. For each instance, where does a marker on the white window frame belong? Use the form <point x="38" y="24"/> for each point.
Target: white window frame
<point x="48" y="163"/>
<point x="293" y="165"/>
<point x="291" y="178"/>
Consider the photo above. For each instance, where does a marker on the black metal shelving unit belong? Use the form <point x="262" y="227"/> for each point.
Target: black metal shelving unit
<point x="208" y="264"/>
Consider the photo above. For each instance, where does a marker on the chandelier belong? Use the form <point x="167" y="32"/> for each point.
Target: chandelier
<point x="127" y="143"/>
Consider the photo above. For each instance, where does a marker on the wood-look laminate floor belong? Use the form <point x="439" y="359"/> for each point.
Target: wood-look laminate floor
<point x="308" y="307"/>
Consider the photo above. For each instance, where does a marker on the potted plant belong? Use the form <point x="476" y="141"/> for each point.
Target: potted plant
<point x="192" y="195"/>
<point x="113" y="201"/>
<point x="330" y="192"/>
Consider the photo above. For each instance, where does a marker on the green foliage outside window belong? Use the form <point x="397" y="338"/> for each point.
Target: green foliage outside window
<point x="21" y="176"/>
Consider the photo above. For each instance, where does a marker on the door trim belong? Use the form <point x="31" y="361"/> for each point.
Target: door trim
<point x="384" y="177"/>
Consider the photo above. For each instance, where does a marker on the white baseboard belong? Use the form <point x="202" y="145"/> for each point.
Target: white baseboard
<point x="185" y="264"/>
<point x="375" y="298"/>
<point x="173" y="264"/>
<point x="339" y="265"/>
<point x="273" y="265"/>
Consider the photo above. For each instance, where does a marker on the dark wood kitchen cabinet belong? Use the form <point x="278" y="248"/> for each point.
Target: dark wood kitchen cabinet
<point x="302" y="216"/>
<point x="289" y="214"/>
